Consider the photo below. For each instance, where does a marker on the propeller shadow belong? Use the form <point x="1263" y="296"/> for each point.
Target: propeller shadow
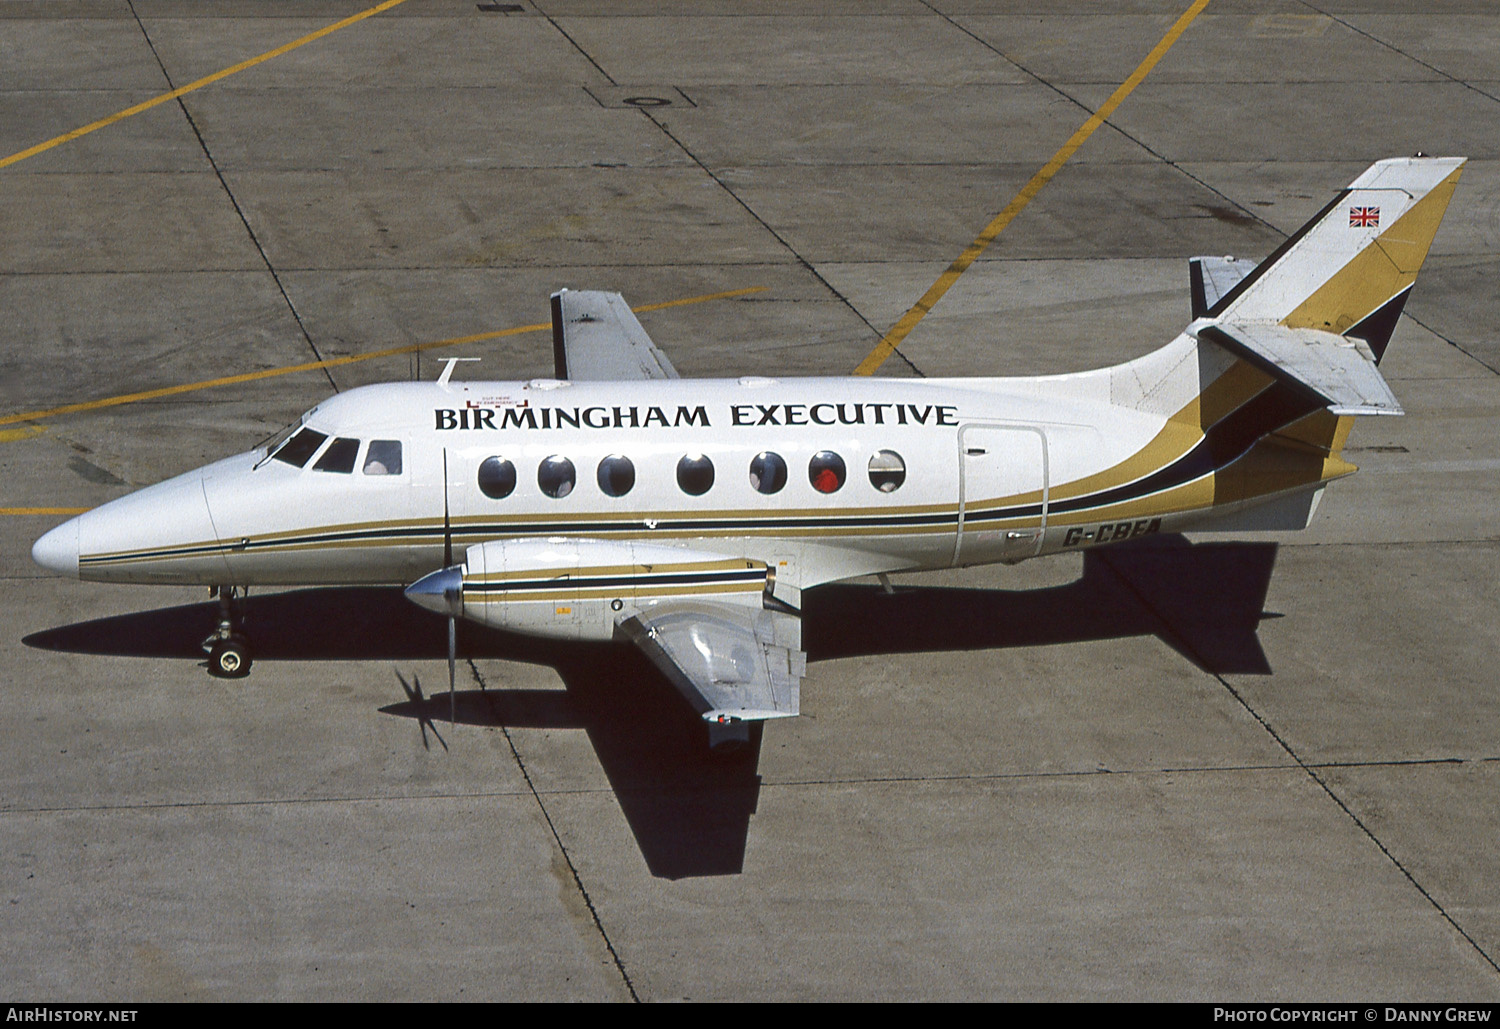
<point x="689" y="809"/>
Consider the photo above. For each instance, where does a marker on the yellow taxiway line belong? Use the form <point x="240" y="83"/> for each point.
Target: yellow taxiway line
<point x="888" y="344"/>
<point x="208" y="80"/>
<point x="228" y="380"/>
<point x="335" y="362"/>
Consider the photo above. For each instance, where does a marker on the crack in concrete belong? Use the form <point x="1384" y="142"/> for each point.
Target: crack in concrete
<point x="1310" y="768"/>
<point x="562" y="848"/>
<point x="233" y="200"/>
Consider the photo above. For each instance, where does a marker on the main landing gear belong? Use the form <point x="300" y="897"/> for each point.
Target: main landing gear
<point x="228" y="649"/>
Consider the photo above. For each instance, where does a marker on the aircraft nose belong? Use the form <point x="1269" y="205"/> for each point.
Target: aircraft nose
<point x="57" y="551"/>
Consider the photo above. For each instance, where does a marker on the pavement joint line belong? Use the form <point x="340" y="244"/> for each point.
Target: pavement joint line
<point x="166" y="805"/>
<point x="803" y="261"/>
<point x="198" y="84"/>
<point x="766" y="784"/>
<point x="893" y="339"/>
<point x="576" y="45"/>
<point x="233" y="200"/>
<point x="335" y="362"/>
<point x="1310" y="769"/>
<point x="562" y="848"/>
<point x="1454" y="344"/>
<point x="1397" y="50"/>
<point x="1084" y="773"/>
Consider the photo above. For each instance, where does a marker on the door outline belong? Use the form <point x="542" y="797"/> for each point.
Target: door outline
<point x="968" y="443"/>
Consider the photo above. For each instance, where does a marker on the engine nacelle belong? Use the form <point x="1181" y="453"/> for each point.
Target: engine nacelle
<point x="569" y="588"/>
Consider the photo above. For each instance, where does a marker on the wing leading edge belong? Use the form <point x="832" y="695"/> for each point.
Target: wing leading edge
<point x="597" y="338"/>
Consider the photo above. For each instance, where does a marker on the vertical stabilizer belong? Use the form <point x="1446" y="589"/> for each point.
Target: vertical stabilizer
<point x="1349" y="269"/>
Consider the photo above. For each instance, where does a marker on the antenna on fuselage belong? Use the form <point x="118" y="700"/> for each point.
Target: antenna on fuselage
<point x="442" y="381"/>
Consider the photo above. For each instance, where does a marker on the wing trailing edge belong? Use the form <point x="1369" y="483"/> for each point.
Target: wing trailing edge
<point x="596" y="337"/>
<point x="733" y="663"/>
<point x="1336" y="371"/>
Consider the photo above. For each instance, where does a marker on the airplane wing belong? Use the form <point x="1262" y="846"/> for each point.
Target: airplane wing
<point x="733" y="663"/>
<point x="596" y="337"/>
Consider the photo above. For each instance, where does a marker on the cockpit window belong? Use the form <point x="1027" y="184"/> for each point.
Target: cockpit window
<point x="339" y="457"/>
<point x="270" y="443"/>
<point x="300" y="447"/>
<point x="383" y="457"/>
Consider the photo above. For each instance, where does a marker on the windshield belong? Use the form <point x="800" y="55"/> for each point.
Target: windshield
<point x="300" y="447"/>
<point x="277" y="440"/>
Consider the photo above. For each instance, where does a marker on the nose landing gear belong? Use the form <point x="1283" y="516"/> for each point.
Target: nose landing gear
<point x="228" y="649"/>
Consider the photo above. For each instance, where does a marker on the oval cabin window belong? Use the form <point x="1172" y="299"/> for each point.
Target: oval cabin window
<point x="616" y="475"/>
<point x="497" y="478"/>
<point x="767" y="472"/>
<point x="826" y="471"/>
<point x="556" y="476"/>
<point x="887" y="471"/>
<point x="695" y="474"/>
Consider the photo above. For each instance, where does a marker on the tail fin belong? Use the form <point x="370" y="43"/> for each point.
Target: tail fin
<point x="1259" y="394"/>
<point x="1349" y="269"/>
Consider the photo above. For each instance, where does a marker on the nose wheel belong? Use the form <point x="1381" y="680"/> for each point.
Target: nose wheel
<point x="228" y="649"/>
<point x="229" y="659"/>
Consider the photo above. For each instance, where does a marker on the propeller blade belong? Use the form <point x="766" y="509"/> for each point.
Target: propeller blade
<point x="447" y="525"/>
<point x="452" y="622"/>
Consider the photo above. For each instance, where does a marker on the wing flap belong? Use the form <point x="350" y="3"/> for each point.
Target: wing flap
<point x="733" y="663"/>
<point x="596" y="337"/>
<point x="1338" y="370"/>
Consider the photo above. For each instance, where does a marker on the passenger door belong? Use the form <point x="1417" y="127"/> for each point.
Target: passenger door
<point x="1002" y="486"/>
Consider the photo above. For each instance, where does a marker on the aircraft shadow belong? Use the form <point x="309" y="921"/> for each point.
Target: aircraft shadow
<point x="688" y="809"/>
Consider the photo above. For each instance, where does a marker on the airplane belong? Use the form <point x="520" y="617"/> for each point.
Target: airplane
<point x="618" y="501"/>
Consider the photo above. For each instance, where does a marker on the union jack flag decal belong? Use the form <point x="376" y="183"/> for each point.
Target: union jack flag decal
<point x="1364" y="217"/>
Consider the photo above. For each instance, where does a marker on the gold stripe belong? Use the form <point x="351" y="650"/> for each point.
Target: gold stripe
<point x="1187" y="497"/>
<point x="602" y="593"/>
<point x="199" y="84"/>
<point x="1381" y="270"/>
<point x="724" y="565"/>
<point x="230" y="380"/>
<point x="25" y="511"/>
<point x="887" y="346"/>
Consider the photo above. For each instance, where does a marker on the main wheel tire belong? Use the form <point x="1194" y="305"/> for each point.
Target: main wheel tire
<point x="229" y="659"/>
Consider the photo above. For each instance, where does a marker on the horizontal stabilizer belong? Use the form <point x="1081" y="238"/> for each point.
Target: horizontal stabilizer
<point x="597" y="338"/>
<point x="1339" y="371"/>
<point x="1211" y="278"/>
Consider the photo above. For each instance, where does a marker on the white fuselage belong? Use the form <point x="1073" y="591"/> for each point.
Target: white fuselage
<point x="934" y="473"/>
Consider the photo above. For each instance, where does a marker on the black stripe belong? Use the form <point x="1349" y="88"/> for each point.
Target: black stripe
<point x="559" y="340"/>
<point x="598" y="582"/>
<point x="1197" y="296"/>
<point x="1377" y="326"/>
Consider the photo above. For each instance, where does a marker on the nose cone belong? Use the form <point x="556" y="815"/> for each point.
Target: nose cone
<point x="57" y="551"/>
<point x="442" y="591"/>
